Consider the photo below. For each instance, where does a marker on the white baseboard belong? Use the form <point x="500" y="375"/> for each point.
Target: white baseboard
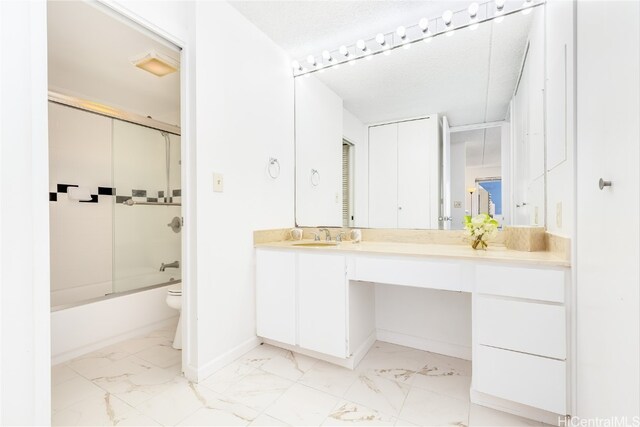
<point x="345" y="363"/>
<point x="221" y="361"/>
<point x="448" y="349"/>
<point x="72" y="354"/>
<point x="359" y="354"/>
<point x="515" y="408"/>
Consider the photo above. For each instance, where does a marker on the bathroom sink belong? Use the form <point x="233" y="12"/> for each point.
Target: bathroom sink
<point x="317" y="244"/>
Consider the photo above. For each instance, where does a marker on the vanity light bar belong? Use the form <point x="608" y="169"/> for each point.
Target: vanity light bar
<point x="424" y="30"/>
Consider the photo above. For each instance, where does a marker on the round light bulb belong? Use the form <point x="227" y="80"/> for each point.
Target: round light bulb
<point x="344" y="51"/>
<point x="326" y="55"/>
<point x="361" y="45"/>
<point x="401" y="32"/>
<point x="473" y="10"/>
<point x="500" y="4"/>
<point x="447" y="16"/>
<point x="311" y="60"/>
<point x="296" y="65"/>
<point x="380" y="39"/>
<point x="424" y="25"/>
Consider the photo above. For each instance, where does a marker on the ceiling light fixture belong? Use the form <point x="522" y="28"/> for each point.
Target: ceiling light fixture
<point x="156" y="63"/>
<point x="387" y="42"/>
<point x="499" y="11"/>
<point x="327" y="56"/>
<point x="473" y="16"/>
<point x="424" y="27"/>
<point x="311" y="60"/>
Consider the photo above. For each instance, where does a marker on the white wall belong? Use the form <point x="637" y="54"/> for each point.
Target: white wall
<point x="24" y="216"/>
<point x="318" y="139"/>
<point x="357" y="133"/>
<point x="244" y="116"/>
<point x="560" y="116"/>
<point x="432" y="320"/>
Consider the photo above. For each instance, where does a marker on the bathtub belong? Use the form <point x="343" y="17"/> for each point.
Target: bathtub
<point x="82" y="327"/>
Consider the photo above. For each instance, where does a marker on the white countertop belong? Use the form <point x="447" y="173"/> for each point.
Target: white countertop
<point x="429" y="250"/>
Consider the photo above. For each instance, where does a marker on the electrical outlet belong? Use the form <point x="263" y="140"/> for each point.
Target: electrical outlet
<point x="559" y="214"/>
<point x="218" y="182"/>
<point x="457" y="205"/>
<point x="337" y="198"/>
<point x="535" y="216"/>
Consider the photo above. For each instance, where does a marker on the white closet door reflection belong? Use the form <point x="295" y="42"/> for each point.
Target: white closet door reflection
<point x="142" y="239"/>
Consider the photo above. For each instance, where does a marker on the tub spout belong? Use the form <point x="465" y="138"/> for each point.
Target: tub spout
<point x="174" y="264"/>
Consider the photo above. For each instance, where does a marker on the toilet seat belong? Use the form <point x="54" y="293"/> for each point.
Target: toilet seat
<point x="175" y="290"/>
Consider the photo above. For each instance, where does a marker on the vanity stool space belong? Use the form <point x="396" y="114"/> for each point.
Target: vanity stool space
<point x="320" y="302"/>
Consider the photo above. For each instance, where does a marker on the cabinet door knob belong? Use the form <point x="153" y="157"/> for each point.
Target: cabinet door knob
<point x="602" y="183"/>
<point x="399" y="208"/>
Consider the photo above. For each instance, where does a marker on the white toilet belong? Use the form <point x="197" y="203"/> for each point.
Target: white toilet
<point x="174" y="300"/>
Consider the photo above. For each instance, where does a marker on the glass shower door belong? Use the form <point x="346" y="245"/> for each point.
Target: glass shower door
<point x="146" y="175"/>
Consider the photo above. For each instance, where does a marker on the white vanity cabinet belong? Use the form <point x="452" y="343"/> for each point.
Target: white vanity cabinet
<point x="404" y="174"/>
<point x="520" y="335"/>
<point x="301" y="300"/>
<point x="322" y="303"/>
<point x="276" y="295"/>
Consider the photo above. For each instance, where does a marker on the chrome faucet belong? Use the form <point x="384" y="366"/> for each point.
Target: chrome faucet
<point x="174" y="264"/>
<point x="327" y="233"/>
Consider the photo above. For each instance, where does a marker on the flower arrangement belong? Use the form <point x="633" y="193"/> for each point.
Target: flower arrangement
<point x="480" y="229"/>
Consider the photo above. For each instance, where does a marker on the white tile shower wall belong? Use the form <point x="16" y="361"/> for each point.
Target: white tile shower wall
<point x="142" y="242"/>
<point x="80" y="233"/>
<point x="142" y="239"/>
<point x="138" y="159"/>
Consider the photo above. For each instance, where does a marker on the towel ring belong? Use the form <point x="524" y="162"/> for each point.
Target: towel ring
<point x="273" y="169"/>
<point x="315" y="177"/>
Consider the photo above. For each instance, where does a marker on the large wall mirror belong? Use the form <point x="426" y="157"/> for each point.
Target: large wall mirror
<point x="418" y="132"/>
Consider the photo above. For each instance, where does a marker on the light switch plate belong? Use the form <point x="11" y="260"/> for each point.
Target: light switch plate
<point x="218" y="182"/>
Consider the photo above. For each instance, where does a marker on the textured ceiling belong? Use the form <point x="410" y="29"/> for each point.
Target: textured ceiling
<point x="482" y="146"/>
<point x="469" y="77"/>
<point x="308" y="27"/>
<point x="89" y="57"/>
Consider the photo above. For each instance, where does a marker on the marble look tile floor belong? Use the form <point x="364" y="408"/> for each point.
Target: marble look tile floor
<point x="139" y="383"/>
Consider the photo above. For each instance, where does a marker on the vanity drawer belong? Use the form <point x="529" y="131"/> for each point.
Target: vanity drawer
<point x="530" y="380"/>
<point x="531" y="283"/>
<point x="528" y="327"/>
<point x="419" y="273"/>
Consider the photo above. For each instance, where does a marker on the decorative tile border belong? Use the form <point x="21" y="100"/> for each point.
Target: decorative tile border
<point x="137" y="194"/>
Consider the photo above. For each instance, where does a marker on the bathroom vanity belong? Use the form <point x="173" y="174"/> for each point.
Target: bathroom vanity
<point x="319" y="300"/>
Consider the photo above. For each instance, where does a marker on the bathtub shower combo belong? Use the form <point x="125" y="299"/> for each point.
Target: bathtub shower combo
<point x="115" y="208"/>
